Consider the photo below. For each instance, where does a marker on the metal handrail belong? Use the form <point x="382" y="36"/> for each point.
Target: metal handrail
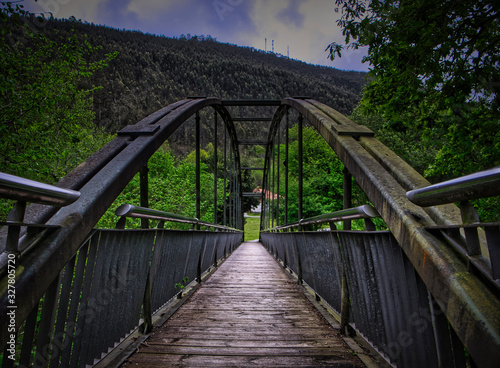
<point x="362" y="212"/>
<point x="26" y="190"/>
<point x="479" y="185"/>
<point x="128" y="210"/>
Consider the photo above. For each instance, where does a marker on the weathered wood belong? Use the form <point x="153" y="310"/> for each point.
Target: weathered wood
<point x="248" y="313"/>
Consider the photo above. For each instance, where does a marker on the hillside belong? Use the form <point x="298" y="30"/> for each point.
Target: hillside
<point x="151" y="72"/>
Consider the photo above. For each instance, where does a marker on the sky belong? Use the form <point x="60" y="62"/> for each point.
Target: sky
<point x="302" y="28"/>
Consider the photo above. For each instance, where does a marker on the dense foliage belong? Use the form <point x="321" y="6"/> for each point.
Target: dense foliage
<point x="46" y="113"/>
<point x="322" y="183"/>
<point x="171" y="189"/>
<point x="433" y="95"/>
<point x="435" y="76"/>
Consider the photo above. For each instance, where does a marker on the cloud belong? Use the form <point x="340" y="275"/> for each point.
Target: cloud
<point x="90" y="9"/>
<point x="292" y="15"/>
<point x="306" y="26"/>
<point x="224" y="19"/>
<point x="147" y="9"/>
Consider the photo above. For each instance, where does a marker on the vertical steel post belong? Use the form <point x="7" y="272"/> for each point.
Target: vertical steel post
<point x="215" y="166"/>
<point x="286" y="167"/>
<point x="231" y="183"/>
<point x="225" y="176"/>
<point x="15" y="215"/>
<point x="470" y="216"/>
<point x="278" y="178"/>
<point x="301" y="168"/>
<point x="198" y="168"/>
<point x="240" y="206"/>
<point x="144" y="188"/>
<point x="268" y="196"/>
<point x="272" y="200"/>
<point x="347" y="195"/>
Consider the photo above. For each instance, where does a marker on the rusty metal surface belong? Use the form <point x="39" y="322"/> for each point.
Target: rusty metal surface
<point x="472" y="309"/>
<point x="408" y="178"/>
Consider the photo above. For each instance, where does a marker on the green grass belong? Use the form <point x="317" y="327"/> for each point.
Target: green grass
<point x="252" y="225"/>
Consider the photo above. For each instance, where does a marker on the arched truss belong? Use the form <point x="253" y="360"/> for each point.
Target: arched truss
<point x="100" y="180"/>
<point x="470" y="305"/>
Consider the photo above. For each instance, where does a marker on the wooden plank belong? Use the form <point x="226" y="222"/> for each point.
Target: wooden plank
<point x="153" y="361"/>
<point x="248" y="342"/>
<point x="248" y="313"/>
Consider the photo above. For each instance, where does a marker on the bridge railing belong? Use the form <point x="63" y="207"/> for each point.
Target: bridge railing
<point x="113" y="285"/>
<point x="476" y="242"/>
<point x="80" y="290"/>
<point x="371" y="286"/>
<point x="365" y="212"/>
<point x="128" y="210"/>
<point x="22" y="191"/>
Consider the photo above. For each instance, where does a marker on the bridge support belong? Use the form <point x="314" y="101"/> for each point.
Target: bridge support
<point x="347" y="196"/>
<point x="144" y="184"/>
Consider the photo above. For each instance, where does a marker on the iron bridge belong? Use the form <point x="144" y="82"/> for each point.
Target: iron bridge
<point x="423" y="292"/>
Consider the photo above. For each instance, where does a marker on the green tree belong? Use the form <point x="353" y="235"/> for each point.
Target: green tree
<point x="46" y="121"/>
<point x="435" y="68"/>
<point x="322" y="176"/>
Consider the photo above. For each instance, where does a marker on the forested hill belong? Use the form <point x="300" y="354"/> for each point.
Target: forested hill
<point x="150" y="72"/>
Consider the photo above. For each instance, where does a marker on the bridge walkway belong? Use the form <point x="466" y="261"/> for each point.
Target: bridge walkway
<point x="248" y="313"/>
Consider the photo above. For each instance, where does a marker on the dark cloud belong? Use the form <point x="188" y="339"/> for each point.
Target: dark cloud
<point x="222" y="19"/>
<point x="292" y="15"/>
<point x="241" y="22"/>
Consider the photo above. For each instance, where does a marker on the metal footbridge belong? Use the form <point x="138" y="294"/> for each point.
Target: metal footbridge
<point x="422" y="292"/>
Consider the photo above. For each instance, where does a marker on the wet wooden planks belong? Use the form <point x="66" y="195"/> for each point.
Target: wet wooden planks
<point x="247" y="314"/>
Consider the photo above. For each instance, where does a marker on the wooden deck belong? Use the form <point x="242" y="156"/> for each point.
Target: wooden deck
<point x="249" y="313"/>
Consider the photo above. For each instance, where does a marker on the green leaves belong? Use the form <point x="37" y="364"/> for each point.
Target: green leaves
<point x="172" y="188"/>
<point x="47" y="117"/>
<point x="435" y="66"/>
<point x="322" y="176"/>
